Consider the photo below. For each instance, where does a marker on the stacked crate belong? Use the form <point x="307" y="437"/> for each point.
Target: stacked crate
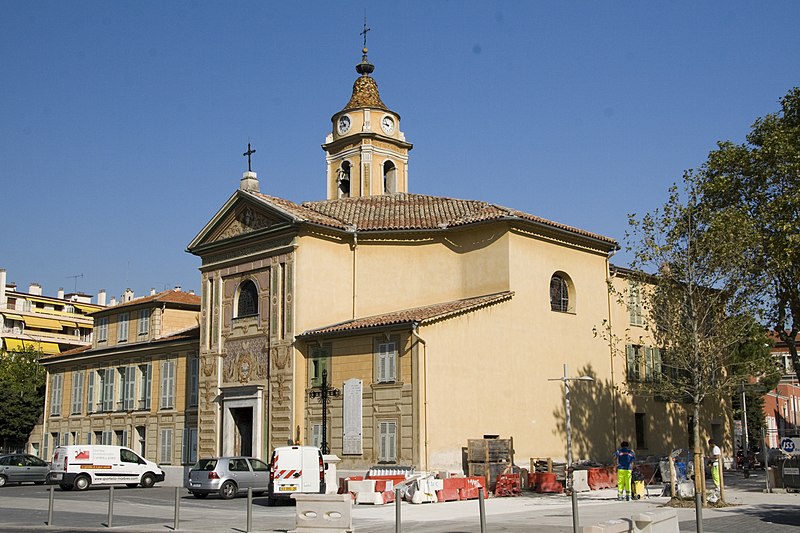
<point x="489" y="458"/>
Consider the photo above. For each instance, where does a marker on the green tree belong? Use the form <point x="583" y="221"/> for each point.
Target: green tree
<point x="755" y="186"/>
<point x="22" y="385"/>
<point x="700" y="314"/>
<point x="756" y="349"/>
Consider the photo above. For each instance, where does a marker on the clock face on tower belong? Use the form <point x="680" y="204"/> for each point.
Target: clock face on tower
<point x="387" y="124"/>
<point x="343" y="125"/>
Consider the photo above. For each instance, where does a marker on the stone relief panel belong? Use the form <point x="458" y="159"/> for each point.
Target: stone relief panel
<point x="244" y="220"/>
<point x="246" y="360"/>
<point x="280" y="357"/>
<point x="208" y="365"/>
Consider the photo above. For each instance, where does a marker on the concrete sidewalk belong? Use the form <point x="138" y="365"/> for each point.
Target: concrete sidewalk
<point x="138" y="511"/>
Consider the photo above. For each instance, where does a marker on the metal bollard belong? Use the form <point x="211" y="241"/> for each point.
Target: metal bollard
<point x="50" y="506"/>
<point x="398" y="527"/>
<point x="482" y="509"/>
<point x="109" y="522"/>
<point x="249" y="509"/>
<point x="698" y="506"/>
<point x="177" y="522"/>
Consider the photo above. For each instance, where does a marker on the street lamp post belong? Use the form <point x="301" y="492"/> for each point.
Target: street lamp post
<point x="324" y="393"/>
<point x="570" y="482"/>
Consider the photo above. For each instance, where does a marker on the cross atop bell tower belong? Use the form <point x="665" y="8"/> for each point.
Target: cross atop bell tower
<point x="367" y="154"/>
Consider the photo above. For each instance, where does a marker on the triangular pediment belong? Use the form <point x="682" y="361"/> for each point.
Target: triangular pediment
<point x="243" y="218"/>
<point x="241" y="214"/>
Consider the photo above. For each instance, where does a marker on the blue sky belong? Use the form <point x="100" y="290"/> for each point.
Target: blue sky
<point x="122" y="124"/>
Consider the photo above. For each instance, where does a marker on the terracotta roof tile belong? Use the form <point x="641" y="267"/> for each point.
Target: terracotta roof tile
<point x="423" y="314"/>
<point x="73" y="351"/>
<point x="170" y="296"/>
<point x="409" y="212"/>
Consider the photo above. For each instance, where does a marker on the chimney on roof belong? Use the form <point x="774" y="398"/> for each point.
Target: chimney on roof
<point x="60" y="294"/>
<point x="127" y="296"/>
<point x="35" y="289"/>
<point x="101" y="297"/>
<point x="249" y="181"/>
<point x="2" y="288"/>
<point x="177" y="288"/>
<point x="191" y="292"/>
<point x="152" y="291"/>
<point x="113" y="302"/>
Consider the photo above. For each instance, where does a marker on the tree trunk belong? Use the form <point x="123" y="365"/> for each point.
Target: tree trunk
<point x="699" y="470"/>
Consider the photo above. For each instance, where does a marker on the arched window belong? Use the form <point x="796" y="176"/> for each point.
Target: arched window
<point x="343" y="180"/>
<point x="389" y="178"/>
<point x="247" y="302"/>
<point x="559" y="293"/>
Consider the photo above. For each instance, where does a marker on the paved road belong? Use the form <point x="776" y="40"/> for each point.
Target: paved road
<point x="24" y="509"/>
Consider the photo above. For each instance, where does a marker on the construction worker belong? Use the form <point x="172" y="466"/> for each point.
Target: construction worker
<point x="624" y="458"/>
<point x="714" y="464"/>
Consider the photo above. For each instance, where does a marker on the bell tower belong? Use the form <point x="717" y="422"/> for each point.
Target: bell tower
<point x="367" y="154"/>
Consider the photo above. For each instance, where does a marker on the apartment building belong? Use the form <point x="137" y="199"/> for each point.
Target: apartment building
<point x="50" y="324"/>
<point x="135" y="386"/>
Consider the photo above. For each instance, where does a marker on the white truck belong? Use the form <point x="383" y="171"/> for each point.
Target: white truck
<point x="296" y="469"/>
<point x="81" y="466"/>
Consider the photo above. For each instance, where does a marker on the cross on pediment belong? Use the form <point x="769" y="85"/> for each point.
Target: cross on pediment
<point x="248" y="153"/>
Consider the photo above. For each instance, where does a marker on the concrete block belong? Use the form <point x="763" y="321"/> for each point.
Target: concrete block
<point x="658" y="521"/>
<point x="323" y="513"/>
<point x="369" y="498"/>
<point x="612" y="526"/>
<point x="580" y="481"/>
<point x="364" y="485"/>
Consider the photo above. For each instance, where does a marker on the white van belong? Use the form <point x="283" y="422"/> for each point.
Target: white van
<point x="296" y="469"/>
<point x="80" y="466"/>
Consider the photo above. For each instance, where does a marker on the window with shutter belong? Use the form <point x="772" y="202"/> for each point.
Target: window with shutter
<point x="320" y="360"/>
<point x="194" y="383"/>
<point x="387" y="452"/>
<point x="386" y="358"/>
<point x="145" y="385"/>
<point x="633" y="361"/>
<point x="635" y="304"/>
<point x="90" y="394"/>
<point x="77" y="392"/>
<point x="316" y="435"/>
<point x="165" y="456"/>
<point x="387" y="362"/>
<point x="167" y="385"/>
<point x="108" y="389"/>
<point x="122" y="327"/>
<point x="102" y="329"/>
<point x="56" y="391"/>
<point x="144" y="322"/>
<point x="130" y="388"/>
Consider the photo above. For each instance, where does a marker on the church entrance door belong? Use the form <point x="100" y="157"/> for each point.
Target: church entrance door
<point x="243" y="430"/>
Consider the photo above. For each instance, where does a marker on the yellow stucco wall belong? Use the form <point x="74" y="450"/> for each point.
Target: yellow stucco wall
<point x="396" y="274"/>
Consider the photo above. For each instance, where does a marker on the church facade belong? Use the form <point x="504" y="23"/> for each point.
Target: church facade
<point x="427" y="320"/>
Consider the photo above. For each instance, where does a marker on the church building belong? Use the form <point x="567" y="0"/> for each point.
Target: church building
<point x="416" y="322"/>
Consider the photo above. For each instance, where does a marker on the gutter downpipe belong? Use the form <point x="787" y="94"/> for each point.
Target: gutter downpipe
<point x="354" y="230"/>
<point x="610" y="276"/>
<point x="45" y="418"/>
<point x="414" y="333"/>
